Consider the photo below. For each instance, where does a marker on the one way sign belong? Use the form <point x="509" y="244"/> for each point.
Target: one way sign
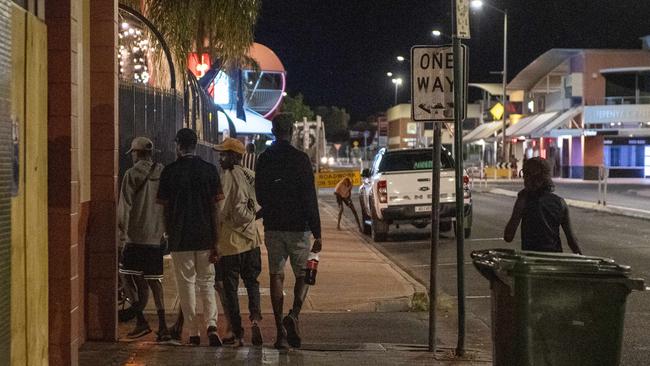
<point x="432" y="83"/>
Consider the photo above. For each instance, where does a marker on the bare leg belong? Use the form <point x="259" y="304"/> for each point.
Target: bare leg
<point x="354" y="212"/>
<point x="158" y="298"/>
<point x="300" y="290"/>
<point x="277" y="300"/>
<point x="143" y="298"/>
<point x="338" y="223"/>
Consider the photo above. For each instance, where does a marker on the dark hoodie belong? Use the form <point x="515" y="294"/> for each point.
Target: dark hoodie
<point x="284" y="185"/>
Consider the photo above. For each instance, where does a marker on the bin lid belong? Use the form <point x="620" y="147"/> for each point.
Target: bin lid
<point x="526" y="262"/>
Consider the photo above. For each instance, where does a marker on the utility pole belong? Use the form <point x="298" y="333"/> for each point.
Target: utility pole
<point x="459" y="103"/>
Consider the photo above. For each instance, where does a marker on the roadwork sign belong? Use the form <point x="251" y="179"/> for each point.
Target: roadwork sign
<point x="432" y="83"/>
<point x="329" y="179"/>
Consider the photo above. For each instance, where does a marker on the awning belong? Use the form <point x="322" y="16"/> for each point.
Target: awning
<point x="483" y="131"/>
<point x="529" y="124"/>
<point x="254" y="123"/>
<point x="563" y="118"/>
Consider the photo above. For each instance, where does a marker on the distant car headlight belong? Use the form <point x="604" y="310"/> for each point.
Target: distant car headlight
<point x="330" y="161"/>
<point x="323" y="160"/>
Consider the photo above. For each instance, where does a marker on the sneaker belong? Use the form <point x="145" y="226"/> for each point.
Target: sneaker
<point x="256" y="335"/>
<point x="290" y="324"/>
<point x="213" y="337"/>
<point x="195" y="340"/>
<point x="163" y="335"/>
<point x="139" y="331"/>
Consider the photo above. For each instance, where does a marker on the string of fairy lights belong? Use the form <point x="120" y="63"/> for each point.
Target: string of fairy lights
<point x="133" y="48"/>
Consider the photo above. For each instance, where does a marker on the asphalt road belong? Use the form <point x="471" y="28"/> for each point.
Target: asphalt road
<point x="619" y="193"/>
<point x="626" y="240"/>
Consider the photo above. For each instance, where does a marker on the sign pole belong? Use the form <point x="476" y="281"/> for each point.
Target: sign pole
<point x="459" y="104"/>
<point x="435" y="235"/>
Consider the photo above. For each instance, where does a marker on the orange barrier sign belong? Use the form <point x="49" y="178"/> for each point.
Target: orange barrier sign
<point x="330" y="179"/>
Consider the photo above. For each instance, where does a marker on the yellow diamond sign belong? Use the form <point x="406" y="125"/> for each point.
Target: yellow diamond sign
<point x="497" y="111"/>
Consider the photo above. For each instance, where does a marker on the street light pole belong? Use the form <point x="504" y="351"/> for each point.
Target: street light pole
<point x="477" y="4"/>
<point x="504" y="81"/>
<point x="396" y="87"/>
<point x="397" y="82"/>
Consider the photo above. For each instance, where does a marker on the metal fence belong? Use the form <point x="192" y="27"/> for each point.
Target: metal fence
<point x="154" y="113"/>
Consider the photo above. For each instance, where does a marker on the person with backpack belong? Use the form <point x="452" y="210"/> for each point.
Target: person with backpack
<point x="140" y="223"/>
<point x="239" y="241"/>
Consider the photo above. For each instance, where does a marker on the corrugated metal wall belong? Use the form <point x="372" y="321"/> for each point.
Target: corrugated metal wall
<point x="6" y="174"/>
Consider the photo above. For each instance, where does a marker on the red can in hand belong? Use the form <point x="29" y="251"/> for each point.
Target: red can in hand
<point x="312" y="269"/>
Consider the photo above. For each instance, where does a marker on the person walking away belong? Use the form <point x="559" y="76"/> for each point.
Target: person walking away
<point x="249" y="159"/>
<point x="343" y="193"/>
<point x="513" y="166"/>
<point x="540" y="212"/>
<point x="284" y="184"/>
<point x="140" y="223"/>
<point x="190" y="190"/>
<point x="239" y="240"/>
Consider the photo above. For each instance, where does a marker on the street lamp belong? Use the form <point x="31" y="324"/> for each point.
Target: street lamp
<point x="397" y="82"/>
<point x="400" y="58"/>
<point x="478" y="4"/>
<point x="389" y="74"/>
<point x="436" y="33"/>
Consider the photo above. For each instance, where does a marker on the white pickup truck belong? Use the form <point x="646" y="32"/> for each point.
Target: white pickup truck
<point x="397" y="190"/>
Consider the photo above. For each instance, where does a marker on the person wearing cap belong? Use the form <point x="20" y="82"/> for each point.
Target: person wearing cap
<point x="190" y="190"/>
<point x="140" y="223"/>
<point x="239" y="241"/>
<point x="284" y="183"/>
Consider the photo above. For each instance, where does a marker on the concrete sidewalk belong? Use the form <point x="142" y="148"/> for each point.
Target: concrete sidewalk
<point x="352" y="276"/>
<point x="356" y="314"/>
<point x="625" y="197"/>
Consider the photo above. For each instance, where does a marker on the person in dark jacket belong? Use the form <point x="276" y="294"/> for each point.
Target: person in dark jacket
<point x="284" y="185"/>
<point x="540" y="212"/>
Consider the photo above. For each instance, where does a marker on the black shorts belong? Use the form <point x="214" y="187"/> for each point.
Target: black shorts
<point x="142" y="260"/>
<point x="340" y="200"/>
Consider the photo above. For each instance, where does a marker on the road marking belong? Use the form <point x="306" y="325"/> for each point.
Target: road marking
<point x="440" y="264"/>
<point x="484" y="239"/>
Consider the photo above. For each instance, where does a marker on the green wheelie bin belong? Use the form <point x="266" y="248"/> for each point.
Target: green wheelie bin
<point x="555" y="309"/>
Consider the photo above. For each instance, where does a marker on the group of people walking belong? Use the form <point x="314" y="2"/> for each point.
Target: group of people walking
<point x="207" y="220"/>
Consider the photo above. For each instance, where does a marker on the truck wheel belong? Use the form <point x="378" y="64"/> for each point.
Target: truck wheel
<point x="365" y="219"/>
<point x="379" y="230"/>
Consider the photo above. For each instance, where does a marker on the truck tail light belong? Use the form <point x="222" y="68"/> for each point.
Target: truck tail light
<point x="466" y="190"/>
<point x="382" y="191"/>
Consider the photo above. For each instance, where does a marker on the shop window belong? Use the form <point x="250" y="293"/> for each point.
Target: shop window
<point x="625" y="156"/>
<point x="620" y="85"/>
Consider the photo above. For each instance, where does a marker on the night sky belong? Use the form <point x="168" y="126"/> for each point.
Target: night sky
<point x="337" y="52"/>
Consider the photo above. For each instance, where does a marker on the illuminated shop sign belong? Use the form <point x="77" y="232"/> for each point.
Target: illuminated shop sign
<point x="616" y="113"/>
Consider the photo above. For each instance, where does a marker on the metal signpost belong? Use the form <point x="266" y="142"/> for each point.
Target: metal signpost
<point x="438" y="89"/>
<point x="432" y="95"/>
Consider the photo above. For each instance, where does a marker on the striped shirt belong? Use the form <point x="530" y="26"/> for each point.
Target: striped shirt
<point x="249" y="161"/>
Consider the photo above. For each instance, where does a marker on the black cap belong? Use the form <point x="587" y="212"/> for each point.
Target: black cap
<point x="186" y="137"/>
